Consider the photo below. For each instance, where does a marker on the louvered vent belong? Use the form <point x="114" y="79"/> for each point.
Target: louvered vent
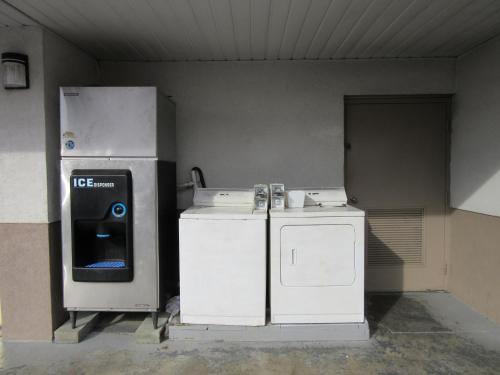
<point x="395" y="236"/>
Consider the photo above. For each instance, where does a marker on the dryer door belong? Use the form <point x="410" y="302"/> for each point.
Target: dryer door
<point x="317" y="255"/>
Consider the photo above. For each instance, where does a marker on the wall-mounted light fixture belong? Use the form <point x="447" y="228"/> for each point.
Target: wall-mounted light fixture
<point x="15" y="71"/>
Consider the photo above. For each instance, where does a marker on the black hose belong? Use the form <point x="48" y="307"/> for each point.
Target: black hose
<point x="200" y="175"/>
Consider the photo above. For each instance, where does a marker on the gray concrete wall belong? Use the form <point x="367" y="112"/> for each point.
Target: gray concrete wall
<point x="23" y="182"/>
<point x="29" y="131"/>
<point x="475" y="151"/>
<point x="259" y="122"/>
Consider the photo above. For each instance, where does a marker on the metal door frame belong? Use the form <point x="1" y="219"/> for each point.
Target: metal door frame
<point x="410" y="99"/>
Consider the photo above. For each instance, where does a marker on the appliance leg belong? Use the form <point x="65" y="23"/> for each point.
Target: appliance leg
<point x="72" y="317"/>
<point x="154" y="316"/>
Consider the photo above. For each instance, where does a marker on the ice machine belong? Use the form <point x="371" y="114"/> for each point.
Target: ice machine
<point x="119" y="220"/>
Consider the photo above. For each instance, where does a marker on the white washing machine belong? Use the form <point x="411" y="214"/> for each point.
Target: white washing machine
<point x="317" y="260"/>
<point x="222" y="253"/>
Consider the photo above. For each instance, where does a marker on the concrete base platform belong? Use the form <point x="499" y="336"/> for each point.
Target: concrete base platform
<point x="146" y="334"/>
<point x="85" y="322"/>
<point x="271" y="332"/>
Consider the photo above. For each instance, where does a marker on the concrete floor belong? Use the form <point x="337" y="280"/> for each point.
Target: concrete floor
<point x="413" y="333"/>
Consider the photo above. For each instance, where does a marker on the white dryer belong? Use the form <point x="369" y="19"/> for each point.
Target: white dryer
<point x="317" y="260"/>
<point x="222" y="254"/>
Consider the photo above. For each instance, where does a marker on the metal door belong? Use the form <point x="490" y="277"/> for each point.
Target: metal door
<point x="397" y="170"/>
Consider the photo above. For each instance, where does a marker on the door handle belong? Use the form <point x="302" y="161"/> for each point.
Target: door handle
<point x="353" y="199"/>
<point x="294" y="257"/>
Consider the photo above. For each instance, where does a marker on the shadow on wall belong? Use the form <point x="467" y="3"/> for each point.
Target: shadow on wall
<point x="381" y="252"/>
<point x="383" y="265"/>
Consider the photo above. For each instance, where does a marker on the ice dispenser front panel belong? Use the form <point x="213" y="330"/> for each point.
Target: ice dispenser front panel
<point x="102" y="226"/>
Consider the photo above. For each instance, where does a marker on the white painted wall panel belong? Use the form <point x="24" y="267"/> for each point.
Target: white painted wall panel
<point x="475" y="148"/>
<point x="259" y="122"/>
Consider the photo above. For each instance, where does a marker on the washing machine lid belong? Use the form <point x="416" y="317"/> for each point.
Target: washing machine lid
<point x="331" y="196"/>
<point x="210" y="197"/>
<point x="318" y="211"/>
<point x="223" y="213"/>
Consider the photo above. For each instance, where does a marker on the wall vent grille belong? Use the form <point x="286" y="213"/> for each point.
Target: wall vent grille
<point x="395" y="236"/>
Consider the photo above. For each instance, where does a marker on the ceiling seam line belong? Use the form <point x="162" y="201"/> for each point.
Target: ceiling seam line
<point x="178" y="22"/>
<point x="322" y="60"/>
<point x="299" y="34"/>
<point x="9" y="17"/>
<point x="434" y="28"/>
<point x="353" y="27"/>
<point x="68" y="20"/>
<point x="470" y="50"/>
<point x="154" y="12"/>
<point x="494" y="27"/>
<point x="238" y="53"/>
<point x="284" y="28"/>
<point x="43" y="27"/>
<point x="334" y="29"/>
<point x="319" y="27"/>
<point x="15" y="13"/>
<point x="153" y="33"/>
<point x="217" y="32"/>
<point x="371" y="26"/>
<point x="200" y="31"/>
<point x="406" y="25"/>
<point x="130" y="43"/>
<point x="250" y="28"/>
<point x="470" y="26"/>
<point x="382" y="32"/>
<point x="268" y="26"/>
<point x="119" y="49"/>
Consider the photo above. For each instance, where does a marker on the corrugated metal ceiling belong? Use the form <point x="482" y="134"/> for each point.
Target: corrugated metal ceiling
<point x="265" y="29"/>
<point x="10" y="17"/>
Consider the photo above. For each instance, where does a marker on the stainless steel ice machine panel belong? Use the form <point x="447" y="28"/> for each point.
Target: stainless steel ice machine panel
<point x="145" y="292"/>
<point x="116" y="122"/>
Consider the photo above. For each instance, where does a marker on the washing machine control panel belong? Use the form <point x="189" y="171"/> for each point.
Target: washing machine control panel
<point x="277" y="196"/>
<point x="261" y="196"/>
